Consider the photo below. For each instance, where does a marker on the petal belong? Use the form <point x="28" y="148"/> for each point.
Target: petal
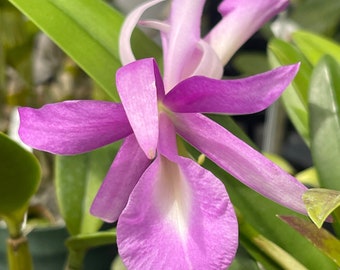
<point x="179" y="216"/>
<point x="138" y="84"/>
<point x="155" y="24"/>
<point x="167" y="144"/>
<point x="128" y="166"/>
<point x="13" y="129"/>
<point x="242" y="96"/>
<point x="209" y="65"/>
<point x="73" y="127"/>
<point x="240" y="160"/>
<point x="125" y="51"/>
<point x="180" y="41"/>
<point x="241" y="19"/>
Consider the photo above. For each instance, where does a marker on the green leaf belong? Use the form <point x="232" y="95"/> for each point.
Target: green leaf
<point x="264" y="250"/>
<point x="84" y="242"/>
<point x="324" y="106"/>
<point x="87" y="30"/>
<point x="320" y="203"/>
<point x="295" y="97"/>
<point x="321" y="238"/>
<point x="20" y="179"/>
<point x="77" y="181"/>
<point x="315" y="46"/>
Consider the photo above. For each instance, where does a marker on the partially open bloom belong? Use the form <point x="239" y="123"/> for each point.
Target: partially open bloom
<point x="172" y="213"/>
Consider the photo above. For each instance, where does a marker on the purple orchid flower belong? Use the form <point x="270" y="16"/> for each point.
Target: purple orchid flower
<point x="171" y="212"/>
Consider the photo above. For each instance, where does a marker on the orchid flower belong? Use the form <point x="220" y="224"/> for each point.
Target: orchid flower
<point x="171" y="212"/>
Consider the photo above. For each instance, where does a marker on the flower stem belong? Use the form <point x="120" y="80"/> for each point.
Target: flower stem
<point x="19" y="257"/>
<point x="75" y="259"/>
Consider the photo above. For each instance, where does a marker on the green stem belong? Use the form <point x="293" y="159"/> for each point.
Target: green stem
<point x="75" y="259"/>
<point x="19" y="257"/>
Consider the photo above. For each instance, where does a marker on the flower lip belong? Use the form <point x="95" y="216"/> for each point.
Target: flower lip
<point x="187" y="207"/>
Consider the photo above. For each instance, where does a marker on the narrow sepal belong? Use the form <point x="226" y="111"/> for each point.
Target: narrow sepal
<point x="240" y="96"/>
<point x="240" y="160"/>
<point x="73" y="127"/>
<point x="125" y="171"/>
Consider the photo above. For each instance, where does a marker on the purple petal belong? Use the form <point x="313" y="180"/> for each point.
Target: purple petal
<point x="178" y="216"/>
<point x="241" y="19"/>
<point x="125" y="51"/>
<point x="180" y="41"/>
<point x="240" y="160"/>
<point x="167" y="144"/>
<point x="128" y="166"/>
<point x="138" y="84"/>
<point x="242" y="96"/>
<point x="73" y="127"/>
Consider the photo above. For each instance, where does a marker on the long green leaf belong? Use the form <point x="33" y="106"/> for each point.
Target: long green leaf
<point x="77" y="181"/>
<point x="295" y="97"/>
<point x="324" y="106"/>
<point x="87" y="30"/>
<point x="321" y="238"/>
<point x="315" y="46"/>
<point x="264" y="250"/>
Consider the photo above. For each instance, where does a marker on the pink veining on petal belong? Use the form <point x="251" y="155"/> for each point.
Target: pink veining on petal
<point x="239" y="96"/>
<point x="241" y="19"/>
<point x="139" y="85"/>
<point x="125" y="171"/>
<point x="73" y="127"/>
<point x="240" y="160"/>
